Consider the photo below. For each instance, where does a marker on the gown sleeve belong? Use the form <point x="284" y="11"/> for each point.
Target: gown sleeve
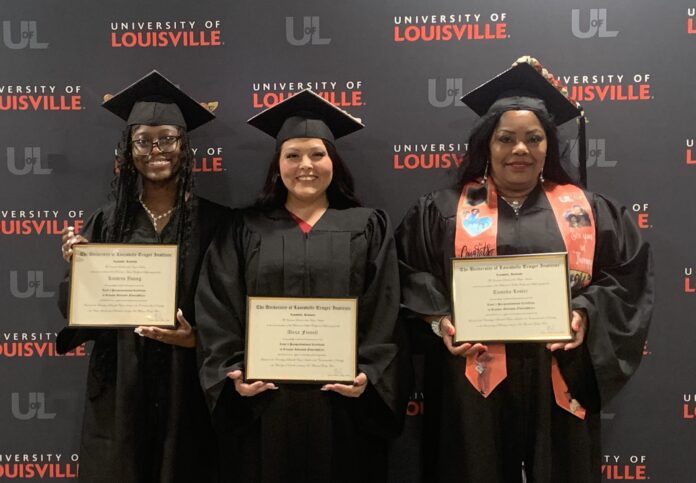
<point x="421" y="241"/>
<point x="619" y="300"/>
<point x="382" y="353"/>
<point x="70" y="338"/>
<point x="221" y="310"/>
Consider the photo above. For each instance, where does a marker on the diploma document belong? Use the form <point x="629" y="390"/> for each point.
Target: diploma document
<point x="302" y="340"/>
<point x="123" y="285"/>
<point x="516" y="298"/>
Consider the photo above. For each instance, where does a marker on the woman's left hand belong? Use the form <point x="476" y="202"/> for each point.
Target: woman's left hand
<point x="182" y="336"/>
<point x="579" y="326"/>
<point x="354" y="390"/>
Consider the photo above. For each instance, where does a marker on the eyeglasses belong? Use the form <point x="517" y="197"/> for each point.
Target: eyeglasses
<point x="166" y="144"/>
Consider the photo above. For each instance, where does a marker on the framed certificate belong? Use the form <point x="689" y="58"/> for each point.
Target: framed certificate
<point x="516" y="298"/>
<point x="123" y="285"/>
<point x="301" y="340"/>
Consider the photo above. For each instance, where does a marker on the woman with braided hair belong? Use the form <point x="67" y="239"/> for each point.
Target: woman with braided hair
<point x="145" y="418"/>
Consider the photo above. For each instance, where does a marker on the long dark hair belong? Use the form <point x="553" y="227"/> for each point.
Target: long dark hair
<point x="478" y="152"/>
<point x="125" y="191"/>
<point x="340" y="193"/>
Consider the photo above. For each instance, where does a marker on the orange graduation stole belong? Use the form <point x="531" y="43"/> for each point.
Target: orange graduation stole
<point x="476" y="236"/>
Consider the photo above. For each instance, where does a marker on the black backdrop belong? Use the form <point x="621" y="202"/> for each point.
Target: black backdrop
<point x="400" y="66"/>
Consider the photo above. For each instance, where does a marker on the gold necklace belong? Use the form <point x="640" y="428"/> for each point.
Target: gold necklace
<point x="154" y="218"/>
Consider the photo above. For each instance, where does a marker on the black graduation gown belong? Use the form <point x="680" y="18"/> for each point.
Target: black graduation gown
<point x="145" y="417"/>
<point x="299" y="433"/>
<point x="471" y="438"/>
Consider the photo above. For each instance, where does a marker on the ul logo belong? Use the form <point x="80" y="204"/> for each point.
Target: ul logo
<point x="597" y="24"/>
<point x="310" y="32"/>
<point x="30" y="164"/>
<point x="452" y="93"/>
<point x="35" y="407"/>
<point x="596" y="154"/>
<point x="35" y="285"/>
<point x="27" y="36"/>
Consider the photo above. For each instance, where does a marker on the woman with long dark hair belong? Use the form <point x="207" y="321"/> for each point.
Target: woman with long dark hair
<point x="307" y="236"/>
<point x="505" y="412"/>
<point x="145" y="418"/>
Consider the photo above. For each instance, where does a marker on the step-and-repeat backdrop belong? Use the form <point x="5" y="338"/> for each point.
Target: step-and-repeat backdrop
<point x="399" y="65"/>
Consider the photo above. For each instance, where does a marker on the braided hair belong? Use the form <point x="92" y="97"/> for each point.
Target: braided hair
<point x="125" y="189"/>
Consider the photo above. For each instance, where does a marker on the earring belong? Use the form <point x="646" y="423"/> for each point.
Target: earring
<point x="541" y="177"/>
<point x="485" y="174"/>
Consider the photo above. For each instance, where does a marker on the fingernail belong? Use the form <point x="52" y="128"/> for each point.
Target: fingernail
<point x="179" y="312"/>
<point x="138" y="331"/>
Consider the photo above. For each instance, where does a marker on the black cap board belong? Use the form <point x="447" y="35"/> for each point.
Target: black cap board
<point x="305" y="115"/>
<point x="154" y="100"/>
<point x="518" y="87"/>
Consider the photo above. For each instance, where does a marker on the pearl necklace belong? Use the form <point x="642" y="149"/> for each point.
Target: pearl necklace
<point x="152" y="216"/>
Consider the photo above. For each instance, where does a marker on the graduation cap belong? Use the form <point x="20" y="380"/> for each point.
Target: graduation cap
<point x="305" y="115"/>
<point x="517" y="83"/>
<point x="153" y="100"/>
<point x="527" y="85"/>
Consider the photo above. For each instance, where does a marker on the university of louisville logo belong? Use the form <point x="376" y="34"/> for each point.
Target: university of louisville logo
<point x="309" y="32"/>
<point x="594" y="22"/>
<point x="21" y="35"/>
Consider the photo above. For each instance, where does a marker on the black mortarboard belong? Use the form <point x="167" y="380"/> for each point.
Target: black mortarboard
<point x="518" y="87"/>
<point x="305" y="115"/>
<point x="154" y="100"/>
<point x="525" y="86"/>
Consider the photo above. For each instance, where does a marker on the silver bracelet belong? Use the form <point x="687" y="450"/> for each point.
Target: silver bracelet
<point x="435" y="325"/>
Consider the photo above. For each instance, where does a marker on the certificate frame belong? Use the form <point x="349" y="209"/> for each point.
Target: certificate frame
<point x="270" y="350"/>
<point x="115" y="285"/>
<point x="498" y="299"/>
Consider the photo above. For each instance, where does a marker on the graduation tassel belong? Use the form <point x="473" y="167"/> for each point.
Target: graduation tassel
<point x="582" y="151"/>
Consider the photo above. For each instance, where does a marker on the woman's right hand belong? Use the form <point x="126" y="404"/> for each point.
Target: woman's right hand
<point x="461" y="350"/>
<point x="248" y="390"/>
<point x="69" y="239"/>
